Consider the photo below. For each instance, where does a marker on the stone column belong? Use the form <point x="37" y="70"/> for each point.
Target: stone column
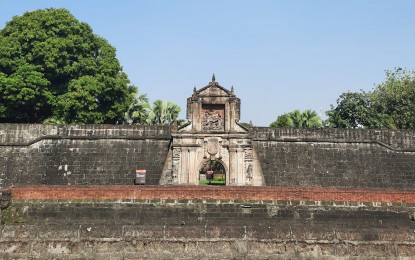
<point x="232" y="176"/>
<point x="183" y="169"/>
<point x="196" y="114"/>
<point x="232" y="114"/>
<point x="240" y="166"/>
<point x="192" y="171"/>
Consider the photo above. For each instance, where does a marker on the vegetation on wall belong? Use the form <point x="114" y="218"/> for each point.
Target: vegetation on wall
<point x="11" y="216"/>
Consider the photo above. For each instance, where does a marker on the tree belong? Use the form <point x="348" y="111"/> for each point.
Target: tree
<point x="390" y="105"/>
<point x="162" y="113"/>
<point x="54" y="69"/>
<point x="352" y="110"/>
<point x="310" y="119"/>
<point x="283" y="120"/>
<point x="137" y="112"/>
<point x="298" y="119"/>
<point x="394" y="99"/>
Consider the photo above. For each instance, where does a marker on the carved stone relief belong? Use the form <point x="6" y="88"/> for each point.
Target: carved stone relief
<point x="248" y="154"/>
<point x="213" y="118"/>
<point x="212" y="146"/>
<point x="176" y="152"/>
<point x="249" y="170"/>
<point x="176" y="164"/>
<point x="248" y="165"/>
<point x="175" y="170"/>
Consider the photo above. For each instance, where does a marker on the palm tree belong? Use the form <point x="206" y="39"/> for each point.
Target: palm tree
<point x="310" y="119"/>
<point x="162" y="113"/>
<point x="137" y="111"/>
<point x="297" y="119"/>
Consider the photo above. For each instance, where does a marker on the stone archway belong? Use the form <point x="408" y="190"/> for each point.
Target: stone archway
<point x="212" y="172"/>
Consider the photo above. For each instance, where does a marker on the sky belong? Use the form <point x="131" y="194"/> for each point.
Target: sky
<point x="278" y="55"/>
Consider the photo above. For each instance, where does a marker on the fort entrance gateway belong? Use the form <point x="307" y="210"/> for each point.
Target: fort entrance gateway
<point x="213" y="138"/>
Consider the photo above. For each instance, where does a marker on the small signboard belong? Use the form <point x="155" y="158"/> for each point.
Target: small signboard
<point x="140" y="177"/>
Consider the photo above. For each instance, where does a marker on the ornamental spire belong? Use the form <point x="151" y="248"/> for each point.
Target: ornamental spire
<point x="213" y="77"/>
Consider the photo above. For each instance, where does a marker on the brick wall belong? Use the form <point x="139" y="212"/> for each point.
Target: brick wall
<point x="342" y="158"/>
<point x="211" y="193"/>
<point x="81" y="154"/>
<point x="110" y="222"/>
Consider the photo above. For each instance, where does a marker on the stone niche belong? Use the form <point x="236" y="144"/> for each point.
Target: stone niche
<point x="212" y="136"/>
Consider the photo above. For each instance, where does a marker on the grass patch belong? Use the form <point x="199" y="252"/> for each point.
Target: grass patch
<point x="211" y="182"/>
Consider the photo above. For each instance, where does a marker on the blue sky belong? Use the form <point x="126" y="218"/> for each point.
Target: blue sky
<point x="278" y="55"/>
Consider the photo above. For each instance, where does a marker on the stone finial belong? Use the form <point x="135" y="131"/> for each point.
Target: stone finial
<point x="232" y="91"/>
<point x="194" y="90"/>
<point x="250" y="123"/>
<point x="213" y="77"/>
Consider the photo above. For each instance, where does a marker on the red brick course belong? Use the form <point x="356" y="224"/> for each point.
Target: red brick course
<point x="210" y="192"/>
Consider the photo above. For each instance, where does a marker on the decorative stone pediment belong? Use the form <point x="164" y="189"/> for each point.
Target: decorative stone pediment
<point x="213" y="108"/>
<point x="213" y="89"/>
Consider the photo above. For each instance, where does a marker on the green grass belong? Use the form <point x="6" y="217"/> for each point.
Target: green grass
<point x="212" y="182"/>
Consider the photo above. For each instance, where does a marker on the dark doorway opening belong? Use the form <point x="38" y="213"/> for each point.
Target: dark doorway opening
<point x="212" y="172"/>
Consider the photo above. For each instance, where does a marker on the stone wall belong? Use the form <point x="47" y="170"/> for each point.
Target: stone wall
<point x="342" y="158"/>
<point x="109" y="154"/>
<point x="43" y="224"/>
<point x="81" y="154"/>
<point x="199" y="242"/>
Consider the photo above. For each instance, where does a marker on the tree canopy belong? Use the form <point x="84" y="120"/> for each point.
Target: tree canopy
<point x="298" y="119"/>
<point x="54" y="69"/>
<point x="391" y="104"/>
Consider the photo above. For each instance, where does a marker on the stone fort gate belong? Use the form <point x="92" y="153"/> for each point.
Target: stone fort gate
<point x="213" y="135"/>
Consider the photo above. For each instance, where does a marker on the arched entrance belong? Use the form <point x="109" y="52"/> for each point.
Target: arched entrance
<point x="212" y="172"/>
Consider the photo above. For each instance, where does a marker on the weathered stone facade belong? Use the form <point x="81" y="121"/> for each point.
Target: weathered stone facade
<point x="213" y="133"/>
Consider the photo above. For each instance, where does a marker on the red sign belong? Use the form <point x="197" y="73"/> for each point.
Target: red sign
<point x="140" y="177"/>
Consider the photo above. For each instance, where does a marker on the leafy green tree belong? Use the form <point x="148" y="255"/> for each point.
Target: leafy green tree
<point x="53" y="69"/>
<point x="390" y="105"/>
<point x="394" y="99"/>
<point x="298" y="119"/>
<point x="283" y="120"/>
<point x="352" y="110"/>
